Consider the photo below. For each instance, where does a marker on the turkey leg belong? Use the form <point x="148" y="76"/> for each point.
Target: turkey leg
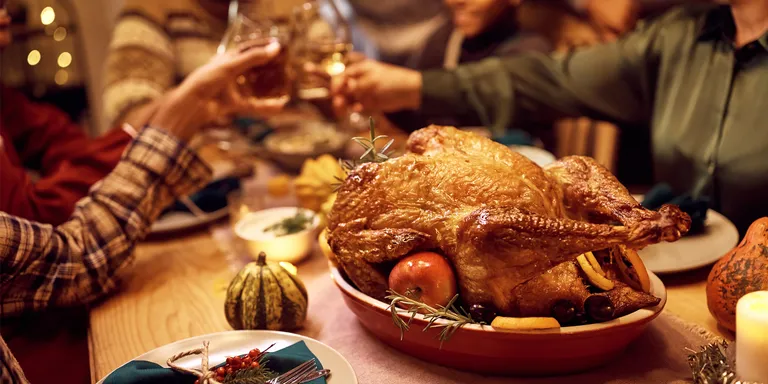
<point x="558" y="237"/>
<point x="591" y="193"/>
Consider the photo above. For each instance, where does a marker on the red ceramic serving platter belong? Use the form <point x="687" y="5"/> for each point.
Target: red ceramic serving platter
<point x="485" y="350"/>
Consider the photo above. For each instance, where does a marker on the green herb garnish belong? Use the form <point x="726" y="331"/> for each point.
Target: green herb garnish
<point x="291" y="225"/>
<point x="371" y="155"/>
<point x="455" y="316"/>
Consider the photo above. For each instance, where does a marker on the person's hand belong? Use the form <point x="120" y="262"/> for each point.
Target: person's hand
<point x="376" y="87"/>
<point x="613" y="17"/>
<point x="210" y="92"/>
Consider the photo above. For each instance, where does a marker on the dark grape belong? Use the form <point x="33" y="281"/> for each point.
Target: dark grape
<point x="580" y="318"/>
<point x="480" y="312"/>
<point x="599" y="308"/>
<point x="564" y="311"/>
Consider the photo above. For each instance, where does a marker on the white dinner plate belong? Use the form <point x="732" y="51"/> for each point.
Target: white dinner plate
<point x="537" y="155"/>
<point x="233" y="343"/>
<point x="692" y="251"/>
<point x="177" y="221"/>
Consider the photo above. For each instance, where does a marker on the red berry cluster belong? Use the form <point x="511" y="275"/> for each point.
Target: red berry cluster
<point x="236" y="363"/>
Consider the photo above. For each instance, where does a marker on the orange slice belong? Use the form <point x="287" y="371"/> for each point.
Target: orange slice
<point x="593" y="262"/>
<point x="523" y="323"/>
<point x="631" y="268"/>
<point x="594" y="277"/>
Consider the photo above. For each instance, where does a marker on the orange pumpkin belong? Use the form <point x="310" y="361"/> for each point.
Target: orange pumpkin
<point x="742" y="270"/>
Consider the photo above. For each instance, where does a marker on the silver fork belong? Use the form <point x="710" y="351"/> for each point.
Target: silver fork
<point x="295" y="374"/>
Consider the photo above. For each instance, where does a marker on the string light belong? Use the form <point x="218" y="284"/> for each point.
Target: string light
<point x="34" y="57"/>
<point x="61" y="77"/>
<point x="47" y="16"/>
<point x="65" y="59"/>
<point x="60" y="34"/>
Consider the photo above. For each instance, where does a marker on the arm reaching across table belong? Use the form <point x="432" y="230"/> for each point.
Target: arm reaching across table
<point x="615" y="81"/>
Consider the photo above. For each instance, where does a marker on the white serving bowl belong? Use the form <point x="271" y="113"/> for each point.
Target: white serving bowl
<point x="291" y="248"/>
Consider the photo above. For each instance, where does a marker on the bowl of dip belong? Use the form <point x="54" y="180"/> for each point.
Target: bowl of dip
<point x="291" y="146"/>
<point x="284" y="234"/>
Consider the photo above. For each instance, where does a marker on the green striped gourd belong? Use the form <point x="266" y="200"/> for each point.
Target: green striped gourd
<point x="264" y="295"/>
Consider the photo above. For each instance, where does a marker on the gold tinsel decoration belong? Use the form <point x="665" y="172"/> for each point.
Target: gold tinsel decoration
<point x="712" y="365"/>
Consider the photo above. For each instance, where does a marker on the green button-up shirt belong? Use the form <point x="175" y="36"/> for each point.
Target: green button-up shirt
<point x="705" y="102"/>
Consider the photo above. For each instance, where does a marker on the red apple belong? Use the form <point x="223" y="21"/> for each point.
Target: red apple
<point x="426" y="277"/>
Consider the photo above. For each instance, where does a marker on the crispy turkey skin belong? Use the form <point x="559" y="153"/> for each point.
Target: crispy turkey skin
<point x="500" y="219"/>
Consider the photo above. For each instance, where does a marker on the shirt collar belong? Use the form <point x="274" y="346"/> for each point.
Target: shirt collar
<point x="719" y="24"/>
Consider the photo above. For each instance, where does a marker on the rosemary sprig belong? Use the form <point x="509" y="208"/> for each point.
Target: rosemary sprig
<point x="455" y="317"/>
<point x="371" y="154"/>
<point x="250" y="376"/>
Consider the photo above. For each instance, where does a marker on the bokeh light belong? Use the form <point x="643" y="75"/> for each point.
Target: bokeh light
<point x="47" y="16"/>
<point x="34" y="57"/>
<point x="65" y="59"/>
<point x="60" y="34"/>
<point x="61" y="77"/>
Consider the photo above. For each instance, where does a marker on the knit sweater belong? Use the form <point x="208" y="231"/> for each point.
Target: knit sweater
<point x="155" y="44"/>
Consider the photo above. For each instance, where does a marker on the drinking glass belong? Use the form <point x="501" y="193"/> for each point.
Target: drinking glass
<point x="273" y="80"/>
<point x="322" y="43"/>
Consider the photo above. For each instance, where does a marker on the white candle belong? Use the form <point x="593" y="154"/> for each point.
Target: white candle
<point x="752" y="337"/>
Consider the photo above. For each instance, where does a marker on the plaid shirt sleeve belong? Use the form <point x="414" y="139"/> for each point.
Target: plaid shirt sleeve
<point x="76" y="262"/>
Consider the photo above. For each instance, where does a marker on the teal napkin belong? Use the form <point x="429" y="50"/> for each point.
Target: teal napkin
<point x="145" y="372"/>
<point x="696" y="208"/>
<point x="514" y="137"/>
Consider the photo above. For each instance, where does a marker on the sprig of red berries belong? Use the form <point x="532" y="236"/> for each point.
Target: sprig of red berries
<point x="236" y="364"/>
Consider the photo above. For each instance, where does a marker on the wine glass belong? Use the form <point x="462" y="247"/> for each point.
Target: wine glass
<point x="322" y="42"/>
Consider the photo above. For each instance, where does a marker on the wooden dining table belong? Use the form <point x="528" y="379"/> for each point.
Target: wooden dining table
<point x="176" y="289"/>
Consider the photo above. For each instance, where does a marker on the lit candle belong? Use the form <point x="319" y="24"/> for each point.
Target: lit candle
<point x="752" y="337"/>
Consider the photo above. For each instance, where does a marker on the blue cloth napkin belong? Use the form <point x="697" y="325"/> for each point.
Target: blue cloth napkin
<point x="697" y="208"/>
<point x="254" y="129"/>
<point x="514" y="137"/>
<point x="145" y="372"/>
<point x="211" y="198"/>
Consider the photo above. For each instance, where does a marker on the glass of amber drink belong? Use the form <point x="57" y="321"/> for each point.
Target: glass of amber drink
<point x="272" y="81"/>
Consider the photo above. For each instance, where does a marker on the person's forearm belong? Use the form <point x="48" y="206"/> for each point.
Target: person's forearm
<point x="76" y="262"/>
<point x="181" y="113"/>
<point x="537" y="89"/>
<point x="139" y="115"/>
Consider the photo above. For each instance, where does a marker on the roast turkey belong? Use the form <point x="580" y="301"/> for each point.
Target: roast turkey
<point x="499" y="218"/>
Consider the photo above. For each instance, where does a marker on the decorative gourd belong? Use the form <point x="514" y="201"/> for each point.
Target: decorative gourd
<point x="315" y="183"/>
<point x="264" y="295"/>
<point x="742" y="270"/>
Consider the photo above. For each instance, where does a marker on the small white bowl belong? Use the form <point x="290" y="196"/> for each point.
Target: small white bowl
<point x="291" y="248"/>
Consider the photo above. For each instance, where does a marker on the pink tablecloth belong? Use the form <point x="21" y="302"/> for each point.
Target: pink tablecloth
<point x="658" y="356"/>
